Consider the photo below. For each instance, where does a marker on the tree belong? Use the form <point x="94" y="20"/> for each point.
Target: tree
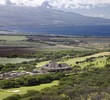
<point x="107" y="65"/>
<point x="31" y="81"/>
<point x="9" y="67"/>
<point x="108" y="58"/>
<point x="1" y="67"/>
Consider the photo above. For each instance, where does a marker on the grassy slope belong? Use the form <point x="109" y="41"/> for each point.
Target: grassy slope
<point x="23" y="90"/>
<point x="73" y="61"/>
<point x="99" y="62"/>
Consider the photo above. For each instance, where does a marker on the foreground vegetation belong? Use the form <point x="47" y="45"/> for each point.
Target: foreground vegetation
<point x="90" y="84"/>
<point x="22" y="90"/>
<point x="30" y="80"/>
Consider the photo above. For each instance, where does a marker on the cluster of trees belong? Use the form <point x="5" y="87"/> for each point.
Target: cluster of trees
<point x="27" y="66"/>
<point x="108" y="58"/>
<point x="30" y="80"/>
<point x="48" y="55"/>
<point x="8" y="67"/>
<point x="12" y="56"/>
<point x="93" y="84"/>
<point x="43" y="56"/>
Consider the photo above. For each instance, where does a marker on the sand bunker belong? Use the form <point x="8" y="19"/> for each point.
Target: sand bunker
<point x="16" y="91"/>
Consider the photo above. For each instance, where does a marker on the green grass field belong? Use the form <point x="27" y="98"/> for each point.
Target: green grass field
<point x="101" y="61"/>
<point x="42" y="63"/>
<point x="7" y="92"/>
<point x="4" y="60"/>
<point x="12" y="38"/>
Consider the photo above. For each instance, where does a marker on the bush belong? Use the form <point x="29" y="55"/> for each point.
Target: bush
<point x="13" y="97"/>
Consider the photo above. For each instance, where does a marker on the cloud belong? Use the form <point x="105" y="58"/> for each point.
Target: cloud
<point x="23" y="2"/>
<point x="60" y="3"/>
<point x="79" y="3"/>
<point x="97" y="15"/>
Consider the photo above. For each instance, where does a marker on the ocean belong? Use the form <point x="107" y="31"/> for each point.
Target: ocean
<point x="90" y="30"/>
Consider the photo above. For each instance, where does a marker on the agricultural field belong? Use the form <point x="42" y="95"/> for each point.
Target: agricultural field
<point x="22" y="45"/>
<point x="94" y="39"/>
<point x="12" y="38"/>
<point x="18" y="45"/>
<point x="7" y="92"/>
<point x="4" y="60"/>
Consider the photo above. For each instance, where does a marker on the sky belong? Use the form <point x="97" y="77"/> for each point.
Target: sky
<point x="96" y="8"/>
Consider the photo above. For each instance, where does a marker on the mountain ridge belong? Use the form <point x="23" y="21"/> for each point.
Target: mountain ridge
<point x="41" y="16"/>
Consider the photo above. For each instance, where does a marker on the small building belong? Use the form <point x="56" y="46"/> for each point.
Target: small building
<point x="53" y="66"/>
